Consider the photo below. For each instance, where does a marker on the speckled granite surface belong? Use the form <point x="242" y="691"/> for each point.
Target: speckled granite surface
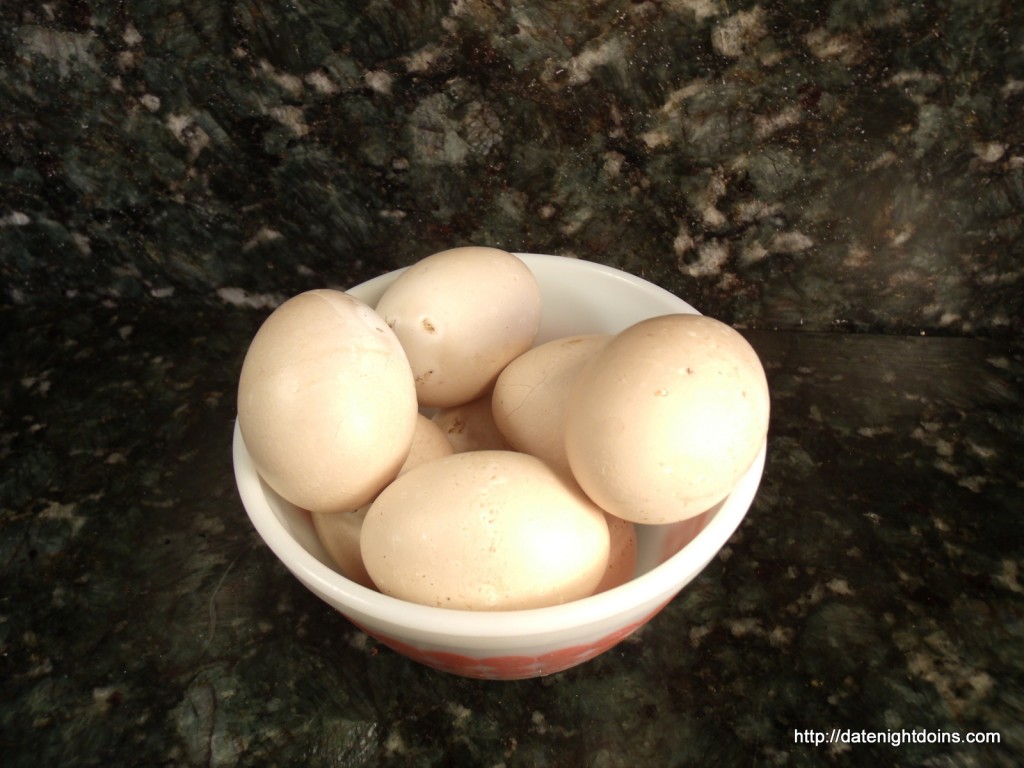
<point x="170" y="170"/>
<point x="793" y="164"/>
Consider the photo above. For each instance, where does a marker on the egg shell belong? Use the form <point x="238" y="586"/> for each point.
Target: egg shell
<point x="462" y="315"/>
<point x="471" y="427"/>
<point x="529" y="400"/>
<point x="326" y="402"/>
<point x="666" y="418"/>
<point x="485" y="530"/>
<point x="622" y="553"/>
<point x="339" y="532"/>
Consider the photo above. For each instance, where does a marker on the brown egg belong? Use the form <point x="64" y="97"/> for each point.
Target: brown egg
<point x="339" y="531"/>
<point x="621" y="554"/>
<point x="471" y="427"/>
<point x="485" y="530"/>
<point x="462" y="315"/>
<point x="665" y="419"/>
<point x="530" y="396"/>
<point x="326" y="402"/>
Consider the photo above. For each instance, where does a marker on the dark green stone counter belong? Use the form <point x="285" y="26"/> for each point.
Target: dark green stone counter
<point x="875" y="583"/>
<point x="842" y="180"/>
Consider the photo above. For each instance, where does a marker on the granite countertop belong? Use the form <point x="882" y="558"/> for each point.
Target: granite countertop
<point x="875" y="583"/>
<point x="842" y="181"/>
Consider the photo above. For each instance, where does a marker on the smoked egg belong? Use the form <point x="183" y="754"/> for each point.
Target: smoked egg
<point x="485" y="530"/>
<point x="666" y="418"/>
<point x="326" y="402"/>
<point x="462" y="315"/>
<point x="531" y="393"/>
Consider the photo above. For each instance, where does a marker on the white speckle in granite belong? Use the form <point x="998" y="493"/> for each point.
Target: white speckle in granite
<point x="683" y="241"/>
<point x="126" y="60"/>
<point x="394" y="744"/>
<point x="840" y="587"/>
<point x="981" y="451"/>
<point x="744" y="627"/>
<point x="291" y="117"/>
<point x="781" y="636"/>
<point x="150" y="102"/>
<point x="768" y="125"/>
<point x="162" y="293"/>
<point x="613" y="163"/>
<point x="379" y="81"/>
<point x="581" y="67"/>
<point x="263" y="235"/>
<point x="423" y="59"/>
<point x="392" y="214"/>
<point x="15" y="219"/>
<point x="286" y="81"/>
<point x="321" y="82"/>
<point x="101" y="697"/>
<point x="711" y="258"/>
<point x="81" y="243"/>
<point x="989" y="151"/>
<point x="752" y="253"/>
<point x="576" y="220"/>
<point x="656" y="138"/>
<point x="125" y="331"/>
<point x="789" y="242"/>
<point x="874" y="431"/>
<point x="1009" y="576"/>
<point x="40" y="383"/>
<point x="131" y="35"/>
<point x="713" y="218"/>
<point x="240" y="298"/>
<point x="115" y="458"/>
<point x="827" y="46"/>
<point x="188" y="133"/>
<point x="974" y="483"/>
<point x="697" y="634"/>
<point x="459" y="713"/>
<point x="701" y="9"/>
<point x="735" y="35"/>
<point x="65" y="512"/>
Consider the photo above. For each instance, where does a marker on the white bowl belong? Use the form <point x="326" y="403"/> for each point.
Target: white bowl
<point x="579" y="297"/>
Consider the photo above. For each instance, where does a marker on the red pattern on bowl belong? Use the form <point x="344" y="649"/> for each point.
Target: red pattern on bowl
<point x="511" y="667"/>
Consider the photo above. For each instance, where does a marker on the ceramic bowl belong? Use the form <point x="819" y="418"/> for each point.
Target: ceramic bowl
<point x="579" y="297"/>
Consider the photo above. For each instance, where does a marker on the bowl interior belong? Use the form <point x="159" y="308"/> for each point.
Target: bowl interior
<point x="578" y="297"/>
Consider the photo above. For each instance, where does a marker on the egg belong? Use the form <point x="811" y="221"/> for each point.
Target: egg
<point x="326" y="402"/>
<point x="665" y="419"/>
<point x="530" y="396"/>
<point x="339" y="532"/>
<point x="462" y="315"/>
<point x="622" y="553"/>
<point x="485" y="530"/>
<point x="471" y="427"/>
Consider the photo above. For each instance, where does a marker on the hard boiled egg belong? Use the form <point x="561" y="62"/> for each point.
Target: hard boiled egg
<point x="462" y="315"/>
<point x="665" y="419"/>
<point x="326" y="402"/>
<point x="531" y="394"/>
<point x="485" y="530"/>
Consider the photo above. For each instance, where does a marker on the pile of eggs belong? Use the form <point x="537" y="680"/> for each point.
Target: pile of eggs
<point x="447" y="460"/>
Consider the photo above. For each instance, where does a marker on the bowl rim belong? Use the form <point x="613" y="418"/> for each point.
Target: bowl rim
<point x="655" y="587"/>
